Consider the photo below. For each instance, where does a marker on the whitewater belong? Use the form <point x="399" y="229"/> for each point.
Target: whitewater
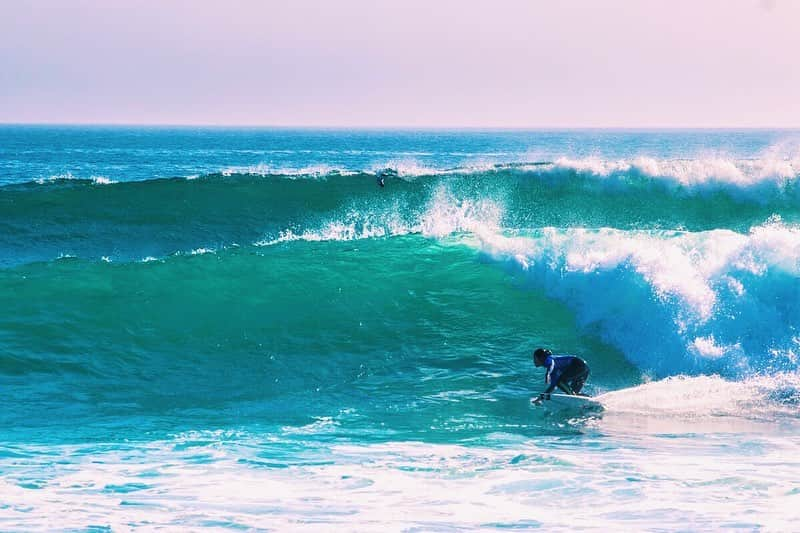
<point x="297" y="330"/>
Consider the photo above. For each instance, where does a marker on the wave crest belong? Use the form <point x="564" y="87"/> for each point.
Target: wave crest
<point x="673" y="302"/>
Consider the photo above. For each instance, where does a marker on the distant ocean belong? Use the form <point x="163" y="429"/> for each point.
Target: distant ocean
<point x="241" y="328"/>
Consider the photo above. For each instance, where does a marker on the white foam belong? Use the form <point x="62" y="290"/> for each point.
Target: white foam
<point x="202" y="251"/>
<point x="340" y="231"/>
<point x="703" y="404"/>
<point x="617" y="482"/>
<point x="707" y="172"/>
<point x="443" y="216"/>
<point x="446" y="215"/>
<point x="68" y="176"/>
<point x="671" y="301"/>
<point x="264" y="169"/>
<point x="709" y="348"/>
<point x="406" y="168"/>
<point x="323" y="424"/>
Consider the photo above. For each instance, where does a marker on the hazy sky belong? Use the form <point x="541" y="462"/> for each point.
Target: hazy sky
<point x="526" y="63"/>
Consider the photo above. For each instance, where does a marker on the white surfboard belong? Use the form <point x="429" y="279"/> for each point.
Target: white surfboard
<point x="567" y="402"/>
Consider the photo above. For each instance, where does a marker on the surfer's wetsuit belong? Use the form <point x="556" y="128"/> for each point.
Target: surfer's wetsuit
<point x="567" y="372"/>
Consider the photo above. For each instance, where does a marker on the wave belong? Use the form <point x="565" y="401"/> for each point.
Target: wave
<point x="409" y="331"/>
<point x="702" y="173"/>
<point x="673" y="302"/>
<point x="692" y="175"/>
<point x="256" y="333"/>
<point x="444" y="215"/>
<point x="130" y="220"/>
<point x="697" y="174"/>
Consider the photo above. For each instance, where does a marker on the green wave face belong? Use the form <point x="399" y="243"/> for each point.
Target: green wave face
<point x="404" y="332"/>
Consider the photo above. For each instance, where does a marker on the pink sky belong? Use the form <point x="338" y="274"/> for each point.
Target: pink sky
<point x="526" y="63"/>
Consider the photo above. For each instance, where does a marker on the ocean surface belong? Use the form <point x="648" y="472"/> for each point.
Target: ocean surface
<point x="219" y="328"/>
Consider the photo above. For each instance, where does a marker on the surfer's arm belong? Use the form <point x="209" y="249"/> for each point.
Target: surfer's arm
<point x="550" y="365"/>
<point x="555" y="377"/>
<point x="552" y="376"/>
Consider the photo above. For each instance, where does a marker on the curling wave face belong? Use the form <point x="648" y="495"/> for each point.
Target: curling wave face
<point x="252" y="253"/>
<point x="427" y="316"/>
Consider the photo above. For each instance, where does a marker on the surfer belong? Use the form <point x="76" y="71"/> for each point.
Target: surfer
<point x="567" y="372"/>
<point x="382" y="174"/>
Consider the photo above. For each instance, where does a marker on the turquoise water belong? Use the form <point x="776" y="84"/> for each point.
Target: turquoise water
<point x="239" y="328"/>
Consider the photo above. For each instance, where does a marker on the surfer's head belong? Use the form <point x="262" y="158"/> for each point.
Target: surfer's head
<point x="540" y="355"/>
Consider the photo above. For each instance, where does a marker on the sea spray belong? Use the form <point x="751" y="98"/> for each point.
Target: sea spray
<point x="673" y="302"/>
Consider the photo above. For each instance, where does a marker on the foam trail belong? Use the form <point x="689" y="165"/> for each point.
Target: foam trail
<point x="694" y="397"/>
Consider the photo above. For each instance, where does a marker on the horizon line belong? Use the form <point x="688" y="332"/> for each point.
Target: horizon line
<point x="394" y="126"/>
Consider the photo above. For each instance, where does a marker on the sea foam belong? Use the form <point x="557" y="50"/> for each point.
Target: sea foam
<point x="673" y="302"/>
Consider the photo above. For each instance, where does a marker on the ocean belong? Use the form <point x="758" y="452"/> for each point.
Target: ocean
<point x="242" y="328"/>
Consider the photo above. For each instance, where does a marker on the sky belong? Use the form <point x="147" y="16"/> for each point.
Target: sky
<point x="413" y="63"/>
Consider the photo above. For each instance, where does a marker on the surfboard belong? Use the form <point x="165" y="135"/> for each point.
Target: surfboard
<point x="567" y="402"/>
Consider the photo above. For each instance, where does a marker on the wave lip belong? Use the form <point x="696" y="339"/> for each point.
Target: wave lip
<point x="263" y="169"/>
<point x="710" y="172"/>
<point x="444" y="215"/>
<point x="69" y="177"/>
<point x="704" y="173"/>
<point x="701" y="174"/>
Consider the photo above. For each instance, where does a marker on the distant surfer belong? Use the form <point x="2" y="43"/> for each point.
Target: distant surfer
<point x="382" y="174"/>
<point x="567" y="372"/>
